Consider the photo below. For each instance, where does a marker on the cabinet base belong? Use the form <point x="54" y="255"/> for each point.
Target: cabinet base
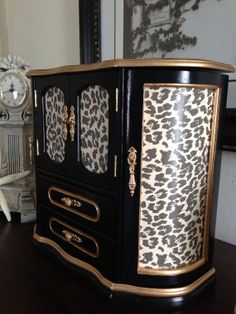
<point x="168" y="297"/>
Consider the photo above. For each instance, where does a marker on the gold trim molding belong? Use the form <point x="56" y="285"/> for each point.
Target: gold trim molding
<point x="125" y="288"/>
<point x="119" y="63"/>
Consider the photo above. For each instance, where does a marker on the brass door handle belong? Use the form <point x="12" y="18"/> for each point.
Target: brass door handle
<point x="132" y="157"/>
<point x="64" y="123"/>
<point x="68" y="121"/>
<point x="72" y="123"/>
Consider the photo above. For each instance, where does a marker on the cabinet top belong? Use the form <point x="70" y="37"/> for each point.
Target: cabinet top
<point x="136" y="63"/>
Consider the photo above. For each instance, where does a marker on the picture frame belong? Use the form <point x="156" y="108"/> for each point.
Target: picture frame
<point x="90" y="31"/>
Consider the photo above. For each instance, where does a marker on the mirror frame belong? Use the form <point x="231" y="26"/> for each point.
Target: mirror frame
<point x="90" y="31"/>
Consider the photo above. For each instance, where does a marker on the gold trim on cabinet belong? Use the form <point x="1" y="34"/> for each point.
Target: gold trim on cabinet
<point x="132" y="157"/>
<point x="120" y="63"/>
<point x="126" y="288"/>
<point x="210" y="178"/>
<point x="171" y="272"/>
<point x="75" y="196"/>
<point x="73" y="236"/>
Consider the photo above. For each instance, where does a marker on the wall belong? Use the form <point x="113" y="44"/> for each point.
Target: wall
<point x="3" y="30"/>
<point x="214" y="25"/>
<point x="44" y="32"/>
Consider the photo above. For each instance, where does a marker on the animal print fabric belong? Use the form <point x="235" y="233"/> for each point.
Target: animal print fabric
<point x="54" y="103"/>
<point x="94" y="128"/>
<point x="175" y="154"/>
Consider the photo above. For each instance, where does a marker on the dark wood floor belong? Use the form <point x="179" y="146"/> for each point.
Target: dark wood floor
<point x="34" y="282"/>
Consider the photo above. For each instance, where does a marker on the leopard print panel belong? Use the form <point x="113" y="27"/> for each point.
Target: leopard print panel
<point x="54" y="103"/>
<point x="94" y="132"/>
<point x="174" y="169"/>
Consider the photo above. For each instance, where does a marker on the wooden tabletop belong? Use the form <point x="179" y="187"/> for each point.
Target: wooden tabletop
<point x="33" y="281"/>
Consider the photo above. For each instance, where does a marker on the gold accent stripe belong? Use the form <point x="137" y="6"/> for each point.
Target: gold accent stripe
<point x="171" y="272"/>
<point x="191" y="63"/>
<point x="124" y="288"/>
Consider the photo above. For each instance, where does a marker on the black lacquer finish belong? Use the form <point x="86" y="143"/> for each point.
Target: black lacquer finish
<point x="115" y="230"/>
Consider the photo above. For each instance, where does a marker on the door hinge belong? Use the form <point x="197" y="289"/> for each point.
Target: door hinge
<point x="115" y="166"/>
<point x="35" y="99"/>
<point x="117" y="99"/>
<point x="37" y="147"/>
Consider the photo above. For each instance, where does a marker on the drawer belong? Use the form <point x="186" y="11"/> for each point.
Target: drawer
<point x="79" y="242"/>
<point x="97" y="212"/>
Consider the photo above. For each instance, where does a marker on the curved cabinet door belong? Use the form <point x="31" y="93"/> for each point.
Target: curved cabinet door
<point x="172" y="163"/>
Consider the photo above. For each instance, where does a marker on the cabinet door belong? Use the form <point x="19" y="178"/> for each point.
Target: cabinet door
<point x="51" y="113"/>
<point x="77" y="127"/>
<point x="171" y="149"/>
<point x="93" y="95"/>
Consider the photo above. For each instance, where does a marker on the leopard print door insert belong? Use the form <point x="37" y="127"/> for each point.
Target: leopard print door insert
<point x="176" y="141"/>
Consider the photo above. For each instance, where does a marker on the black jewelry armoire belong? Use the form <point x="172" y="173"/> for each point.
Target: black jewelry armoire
<point x="127" y="156"/>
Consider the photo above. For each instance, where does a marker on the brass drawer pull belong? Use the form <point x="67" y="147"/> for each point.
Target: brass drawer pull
<point x="132" y="157"/>
<point x="75" y="203"/>
<point x="70" y="202"/>
<point x="75" y="237"/>
<point x="69" y="236"/>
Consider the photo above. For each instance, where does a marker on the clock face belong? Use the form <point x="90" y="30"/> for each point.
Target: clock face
<point x="13" y="89"/>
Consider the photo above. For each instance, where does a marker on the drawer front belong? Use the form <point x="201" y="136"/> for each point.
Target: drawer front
<point x="79" y="239"/>
<point x="79" y="242"/>
<point x="94" y="211"/>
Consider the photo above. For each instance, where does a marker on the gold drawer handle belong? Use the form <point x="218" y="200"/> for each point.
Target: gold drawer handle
<point x="69" y="236"/>
<point x="132" y="157"/>
<point x="70" y="202"/>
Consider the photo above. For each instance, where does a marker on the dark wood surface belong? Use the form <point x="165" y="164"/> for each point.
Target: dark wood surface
<point x="33" y="281"/>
